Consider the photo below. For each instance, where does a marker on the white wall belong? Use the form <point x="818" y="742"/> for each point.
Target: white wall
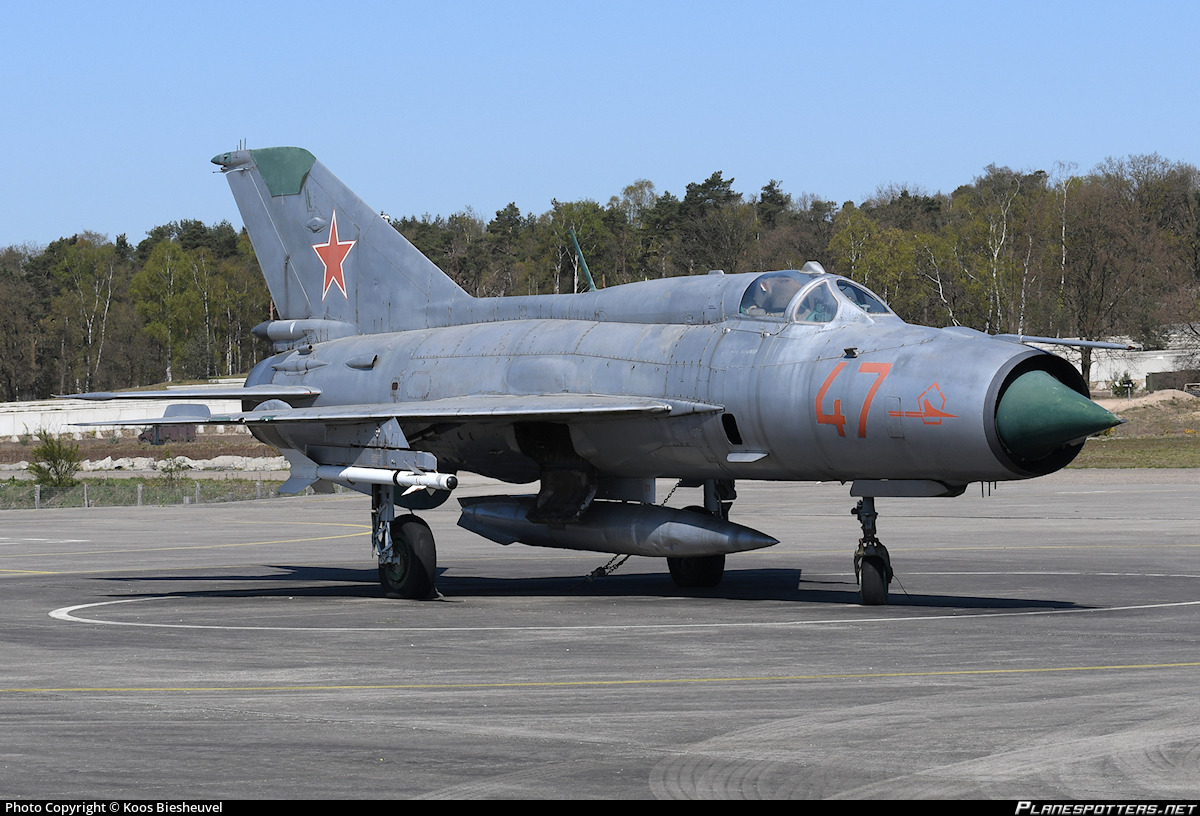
<point x="61" y="415"/>
<point x="1109" y="364"/>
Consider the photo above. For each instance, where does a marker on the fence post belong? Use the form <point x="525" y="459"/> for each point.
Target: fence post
<point x="37" y="497"/>
<point x="197" y="492"/>
<point x="139" y="504"/>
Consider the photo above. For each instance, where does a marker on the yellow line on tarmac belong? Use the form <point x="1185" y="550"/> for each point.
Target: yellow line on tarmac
<point x="366" y="527"/>
<point x="360" y="530"/>
<point x="602" y="683"/>
<point x="188" y="547"/>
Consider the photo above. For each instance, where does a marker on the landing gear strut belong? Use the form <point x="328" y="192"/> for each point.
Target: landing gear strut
<point x="872" y="564"/>
<point x="405" y="546"/>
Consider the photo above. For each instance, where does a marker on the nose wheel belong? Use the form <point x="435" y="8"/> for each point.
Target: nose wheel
<point x="872" y="564"/>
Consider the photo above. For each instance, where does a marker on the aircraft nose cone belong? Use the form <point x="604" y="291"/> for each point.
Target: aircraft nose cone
<point x="1038" y="414"/>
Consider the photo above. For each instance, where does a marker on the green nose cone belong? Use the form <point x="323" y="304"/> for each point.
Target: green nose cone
<point x="1038" y="414"/>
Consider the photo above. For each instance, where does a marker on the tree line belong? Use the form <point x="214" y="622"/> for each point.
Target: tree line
<point x="1115" y="251"/>
<point x="86" y="313"/>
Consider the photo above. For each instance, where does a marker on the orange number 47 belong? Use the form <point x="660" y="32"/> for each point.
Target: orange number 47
<point x="837" y="418"/>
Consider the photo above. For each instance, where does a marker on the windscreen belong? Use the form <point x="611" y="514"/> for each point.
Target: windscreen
<point x="863" y="299"/>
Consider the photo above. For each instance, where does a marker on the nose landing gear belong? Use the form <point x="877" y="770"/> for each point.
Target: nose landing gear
<point x="872" y="564"/>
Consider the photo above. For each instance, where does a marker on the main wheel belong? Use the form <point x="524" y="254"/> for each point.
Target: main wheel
<point x="411" y="574"/>
<point x="874" y="581"/>
<point x="697" y="571"/>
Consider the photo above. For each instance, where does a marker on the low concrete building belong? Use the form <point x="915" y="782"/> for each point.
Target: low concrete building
<point x="1108" y="366"/>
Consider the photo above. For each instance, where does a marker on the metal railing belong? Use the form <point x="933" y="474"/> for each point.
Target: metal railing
<point x="26" y="495"/>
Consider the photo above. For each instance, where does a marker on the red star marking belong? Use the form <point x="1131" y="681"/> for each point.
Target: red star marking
<point x="332" y="253"/>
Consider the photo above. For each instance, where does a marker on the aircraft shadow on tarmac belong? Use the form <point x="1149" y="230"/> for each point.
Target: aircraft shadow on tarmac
<point x="738" y="585"/>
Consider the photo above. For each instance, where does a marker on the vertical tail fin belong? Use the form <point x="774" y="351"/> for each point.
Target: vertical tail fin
<point x="325" y="253"/>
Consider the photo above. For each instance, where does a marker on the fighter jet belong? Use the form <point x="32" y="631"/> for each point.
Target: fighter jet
<point x="390" y="379"/>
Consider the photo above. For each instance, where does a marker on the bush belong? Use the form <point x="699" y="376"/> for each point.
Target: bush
<point x="55" y="461"/>
<point x="170" y="466"/>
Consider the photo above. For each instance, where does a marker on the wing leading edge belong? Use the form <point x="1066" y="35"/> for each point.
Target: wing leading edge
<point x="487" y="407"/>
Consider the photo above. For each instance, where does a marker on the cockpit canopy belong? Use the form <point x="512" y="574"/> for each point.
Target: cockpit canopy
<point x="771" y="293"/>
<point x="804" y="297"/>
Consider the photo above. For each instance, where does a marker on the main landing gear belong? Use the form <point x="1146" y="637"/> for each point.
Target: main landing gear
<point x="704" y="570"/>
<point x="405" y="546"/>
<point x="872" y="564"/>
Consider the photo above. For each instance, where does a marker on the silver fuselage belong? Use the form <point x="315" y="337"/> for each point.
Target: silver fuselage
<point x="862" y="396"/>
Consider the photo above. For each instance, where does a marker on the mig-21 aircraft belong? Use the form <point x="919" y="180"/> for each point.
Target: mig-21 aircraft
<point x="388" y="378"/>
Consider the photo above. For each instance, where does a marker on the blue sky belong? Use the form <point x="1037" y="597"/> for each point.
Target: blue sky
<point x="112" y="110"/>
